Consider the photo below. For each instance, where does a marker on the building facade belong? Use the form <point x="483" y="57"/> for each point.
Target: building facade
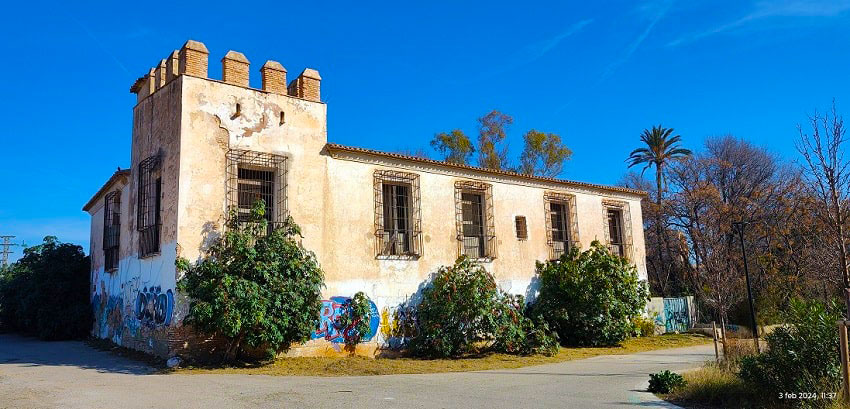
<point x="378" y="222"/>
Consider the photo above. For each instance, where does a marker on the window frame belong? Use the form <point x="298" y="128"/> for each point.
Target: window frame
<point x="488" y="234"/>
<point x="111" y="230"/>
<point x="521" y="227"/>
<point x="570" y="223"/>
<point x="149" y="215"/>
<point x="385" y="246"/>
<point x="247" y="160"/>
<point x="625" y="227"/>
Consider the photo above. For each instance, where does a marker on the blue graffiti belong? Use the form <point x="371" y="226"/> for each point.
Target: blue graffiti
<point x="153" y="307"/>
<point x="676" y="315"/>
<point x="330" y="327"/>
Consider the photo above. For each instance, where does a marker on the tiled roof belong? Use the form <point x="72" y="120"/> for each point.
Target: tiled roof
<point x="115" y="176"/>
<point x="332" y="147"/>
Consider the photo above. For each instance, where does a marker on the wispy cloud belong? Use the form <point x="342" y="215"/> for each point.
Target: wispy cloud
<point x="763" y="10"/>
<point x="654" y="11"/>
<point x="533" y="52"/>
<point x="658" y="11"/>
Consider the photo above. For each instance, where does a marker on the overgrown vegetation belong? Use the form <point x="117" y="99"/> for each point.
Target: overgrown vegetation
<point x="46" y="292"/>
<point x="800" y="367"/>
<point x="463" y="311"/>
<point x="590" y="298"/>
<point x="258" y="288"/>
<point x="801" y="356"/>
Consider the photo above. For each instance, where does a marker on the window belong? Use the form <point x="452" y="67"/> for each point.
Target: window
<point x="474" y="213"/>
<point x="617" y="228"/>
<point x="254" y="176"/>
<point x="561" y="226"/>
<point x="521" y="227"/>
<point x="150" y="196"/>
<point x="397" y="216"/>
<point x="111" y="230"/>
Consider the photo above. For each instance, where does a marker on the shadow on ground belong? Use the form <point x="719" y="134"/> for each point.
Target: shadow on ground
<point x="30" y="352"/>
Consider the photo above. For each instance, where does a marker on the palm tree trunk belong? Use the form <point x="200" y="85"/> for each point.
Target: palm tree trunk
<point x="658" y="229"/>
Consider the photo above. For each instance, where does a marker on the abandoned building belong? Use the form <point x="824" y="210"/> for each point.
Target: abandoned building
<point x="378" y="222"/>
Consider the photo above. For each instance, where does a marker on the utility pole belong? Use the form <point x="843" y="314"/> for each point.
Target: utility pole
<point x="739" y="228"/>
<point x="5" y="251"/>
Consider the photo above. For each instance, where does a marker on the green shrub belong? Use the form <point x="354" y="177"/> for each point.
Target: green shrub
<point x="463" y="310"/>
<point x="802" y="356"/>
<point x="357" y="312"/>
<point x="258" y="289"/>
<point x="590" y="298"/>
<point x="665" y="382"/>
<point x="46" y="292"/>
<point x="644" y="326"/>
<point x="521" y="335"/>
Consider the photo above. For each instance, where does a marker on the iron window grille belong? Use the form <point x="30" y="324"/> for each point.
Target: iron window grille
<point x="398" y="222"/>
<point x="474" y="218"/>
<point x="253" y="176"/>
<point x="521" y="227"/>
<point x="111" y="230"/>
<point x="148" y="221"/>
<point x="617" y="226"/>
<point x="561" y="223"/>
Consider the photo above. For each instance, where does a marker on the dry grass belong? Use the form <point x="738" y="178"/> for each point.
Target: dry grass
<point x="711" y="387"/>
<point x="354" y="366"/>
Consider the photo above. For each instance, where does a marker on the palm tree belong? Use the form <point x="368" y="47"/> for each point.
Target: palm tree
<point x="661" y="148"/>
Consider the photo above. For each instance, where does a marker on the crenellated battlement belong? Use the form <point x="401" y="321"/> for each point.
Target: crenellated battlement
<point x="193" y="59"/>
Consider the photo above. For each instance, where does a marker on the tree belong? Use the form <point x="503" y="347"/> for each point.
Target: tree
<point x="255" y="288"/>
<point x="661" y="148"/>
<point x="828" y="176"/>
<point x="491" y="135"/>
<point x="47" y="292"/>
<point x="455" y="146"/>
<point x="544" y="154"/>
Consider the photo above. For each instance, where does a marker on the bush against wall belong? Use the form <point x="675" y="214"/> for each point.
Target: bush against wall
<point x="463" y="310"/>
<point x="590" y="298"/>
<point x="802" y="356"/>
<point x="256" y="288"/>
<point x="46" y="292"/>
<point x="357" y="311"/>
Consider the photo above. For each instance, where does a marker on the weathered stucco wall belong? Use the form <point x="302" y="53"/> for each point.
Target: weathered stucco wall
<point x="138" y="306"/>
<point x="210" y="128"/>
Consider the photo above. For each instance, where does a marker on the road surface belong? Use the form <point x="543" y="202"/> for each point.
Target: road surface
<point x="35" y="374"/>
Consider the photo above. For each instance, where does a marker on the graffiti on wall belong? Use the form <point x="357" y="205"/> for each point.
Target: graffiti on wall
<point x="676" y="315"/>
<point x="154" y="307"/>
<point x="330" y="327"/>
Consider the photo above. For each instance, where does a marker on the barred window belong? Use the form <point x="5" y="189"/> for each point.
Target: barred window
<point x="617" y="226"/>
<point x="254" y="176"/>
<point x="148" y="216"/>
<point x="521" y="227"/>
<point x="615" y="232"/>
<point x="474" y="217"/>
<point x="111" y="230"/>
<point x="397" y="215"/>
<point x="561" y="226"/>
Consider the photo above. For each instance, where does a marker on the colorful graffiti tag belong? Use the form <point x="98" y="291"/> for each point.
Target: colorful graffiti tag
<point x="330" y="327"/>
<point x="153" y="307"/>
<point x="676" y="315"/>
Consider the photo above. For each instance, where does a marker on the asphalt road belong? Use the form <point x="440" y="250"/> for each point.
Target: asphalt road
<point x="36" y="374"/>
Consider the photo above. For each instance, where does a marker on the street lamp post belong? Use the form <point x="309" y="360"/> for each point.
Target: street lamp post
<point x="739" y="228"/>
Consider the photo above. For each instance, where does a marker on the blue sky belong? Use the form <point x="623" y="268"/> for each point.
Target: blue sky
<point x="395" y="74"/>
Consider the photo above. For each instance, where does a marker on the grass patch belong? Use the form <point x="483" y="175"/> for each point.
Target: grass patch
<point x="711" y="387"/>
<point x="354" y="366"/>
